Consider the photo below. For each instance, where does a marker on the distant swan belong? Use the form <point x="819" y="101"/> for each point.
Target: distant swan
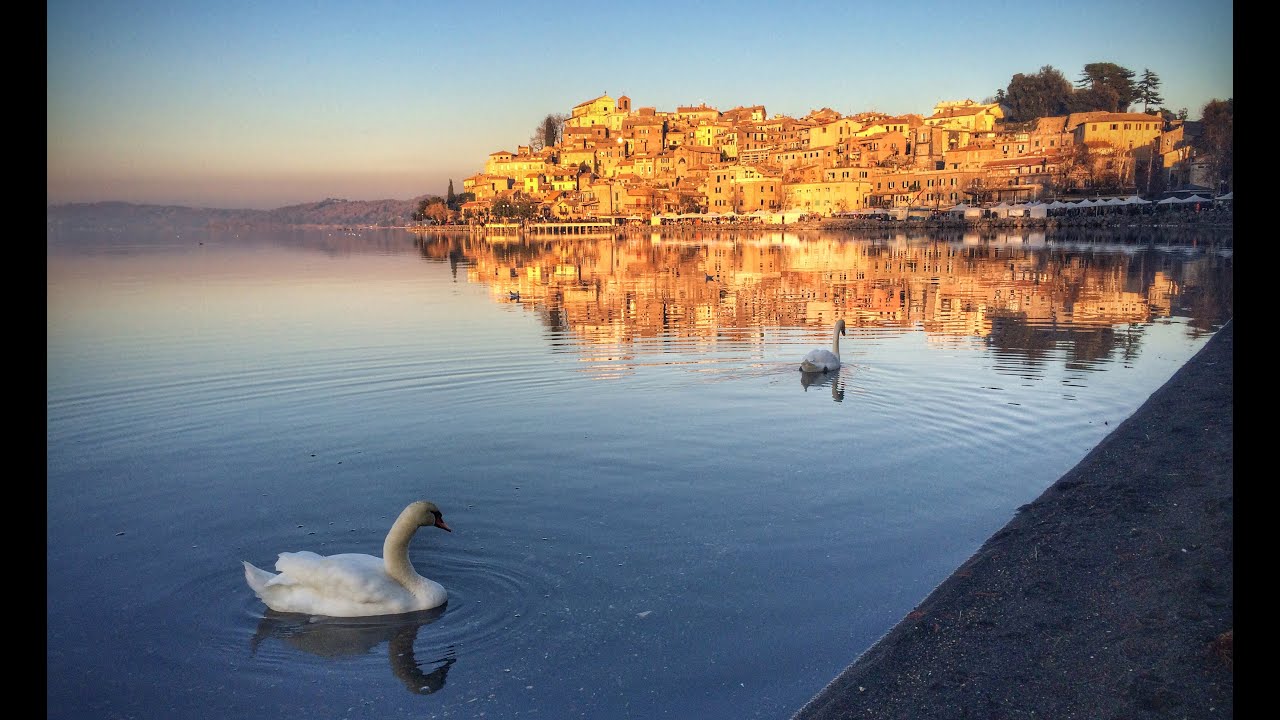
<point x="822" y="359"/>
<point x="354" y="584"/>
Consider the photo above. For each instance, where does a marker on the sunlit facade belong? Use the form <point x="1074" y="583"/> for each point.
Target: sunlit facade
<point x="747" y="161"/>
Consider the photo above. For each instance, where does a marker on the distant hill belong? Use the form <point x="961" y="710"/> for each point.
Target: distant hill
<point x="329" y="212"/>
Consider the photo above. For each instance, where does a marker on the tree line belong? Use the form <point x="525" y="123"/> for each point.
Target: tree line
<point x="441" y="210"/>
<point x="1112" y="88"/>
<point x="1102" y="86"/>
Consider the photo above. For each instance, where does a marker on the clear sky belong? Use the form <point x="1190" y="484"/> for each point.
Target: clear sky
<point x="235" y="104"/>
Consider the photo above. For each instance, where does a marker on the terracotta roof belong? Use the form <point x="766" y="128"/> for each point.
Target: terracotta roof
<point x="1057" y="123"/>
<point x="961" y="111"/>
<point x="1020" y="161"/>
<point x="1125" y="117"/>
<point x="592" y="100"/>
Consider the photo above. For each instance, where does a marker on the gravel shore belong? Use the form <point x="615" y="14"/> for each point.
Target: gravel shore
<point x="1109" y="596"/>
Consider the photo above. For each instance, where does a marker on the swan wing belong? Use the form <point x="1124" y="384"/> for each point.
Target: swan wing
<point x="349" y="574"/>
<point x="345" y="585"/>
<point x="820" y="360"/>
<point x="256" y="577"/>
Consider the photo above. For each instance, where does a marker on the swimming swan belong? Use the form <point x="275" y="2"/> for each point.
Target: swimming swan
<point x="822" y="359"/>
<point x="354" y="584"/>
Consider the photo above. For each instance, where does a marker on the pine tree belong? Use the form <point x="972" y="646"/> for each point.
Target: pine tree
<point x="1148" y="89"/>
<point x="1105" y="86"/>
<point x="451" y="200"/>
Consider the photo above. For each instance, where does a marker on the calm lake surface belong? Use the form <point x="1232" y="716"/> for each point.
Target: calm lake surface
<point x="655" y="513"/>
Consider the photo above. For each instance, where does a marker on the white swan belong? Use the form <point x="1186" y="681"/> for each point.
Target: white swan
<point x="354" y="584"/>
<point x="822" y="359"/>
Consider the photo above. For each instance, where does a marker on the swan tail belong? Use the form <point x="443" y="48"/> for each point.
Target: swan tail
<point x="256" y="577"/>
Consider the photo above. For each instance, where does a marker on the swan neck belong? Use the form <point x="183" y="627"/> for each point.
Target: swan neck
<point x="395" y="550"/>
<point x="835" y="343"/>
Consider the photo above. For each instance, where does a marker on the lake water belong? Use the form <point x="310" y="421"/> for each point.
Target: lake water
<point x="655" y="513"/>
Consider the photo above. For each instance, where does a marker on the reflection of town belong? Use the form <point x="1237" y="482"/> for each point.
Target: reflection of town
<point x="1016" y="291"/>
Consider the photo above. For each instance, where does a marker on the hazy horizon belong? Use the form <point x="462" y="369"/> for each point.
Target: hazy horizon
<point x="248" y="106"/>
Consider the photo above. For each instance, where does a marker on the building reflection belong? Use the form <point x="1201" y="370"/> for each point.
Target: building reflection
<point x="1013" y="290"/>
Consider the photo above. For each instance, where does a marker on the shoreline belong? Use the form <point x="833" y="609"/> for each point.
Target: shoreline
<point x="986" y="226"/>
<point x="1109" y="596"/>
<point x="1207" y="220"/>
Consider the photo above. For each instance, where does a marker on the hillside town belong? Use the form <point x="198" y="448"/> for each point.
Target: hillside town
<point x="613" y="162"/>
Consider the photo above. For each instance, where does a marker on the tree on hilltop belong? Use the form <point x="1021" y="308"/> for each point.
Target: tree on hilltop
<point x="1149" y="89"/>
<point x="1105" y="86"/>
<point x="1102" y="86"/>
<point x="1043" y="94"/>
<point x="548" y="133"/>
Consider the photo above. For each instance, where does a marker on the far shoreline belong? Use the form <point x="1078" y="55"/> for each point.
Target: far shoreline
<point x="1211" y="220"/>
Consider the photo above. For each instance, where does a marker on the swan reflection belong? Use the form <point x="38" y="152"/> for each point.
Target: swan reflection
<point x="347" y="637"/>
<point x="830" y="379"/>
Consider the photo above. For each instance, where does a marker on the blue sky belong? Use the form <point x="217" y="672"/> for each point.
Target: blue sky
<point x="265" y="104"/>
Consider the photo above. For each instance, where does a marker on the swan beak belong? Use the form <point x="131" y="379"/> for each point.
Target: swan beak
<point x="440" y="524"/>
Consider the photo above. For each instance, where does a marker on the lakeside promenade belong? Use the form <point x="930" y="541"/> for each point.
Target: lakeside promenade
<point x="1174" y="220"/>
